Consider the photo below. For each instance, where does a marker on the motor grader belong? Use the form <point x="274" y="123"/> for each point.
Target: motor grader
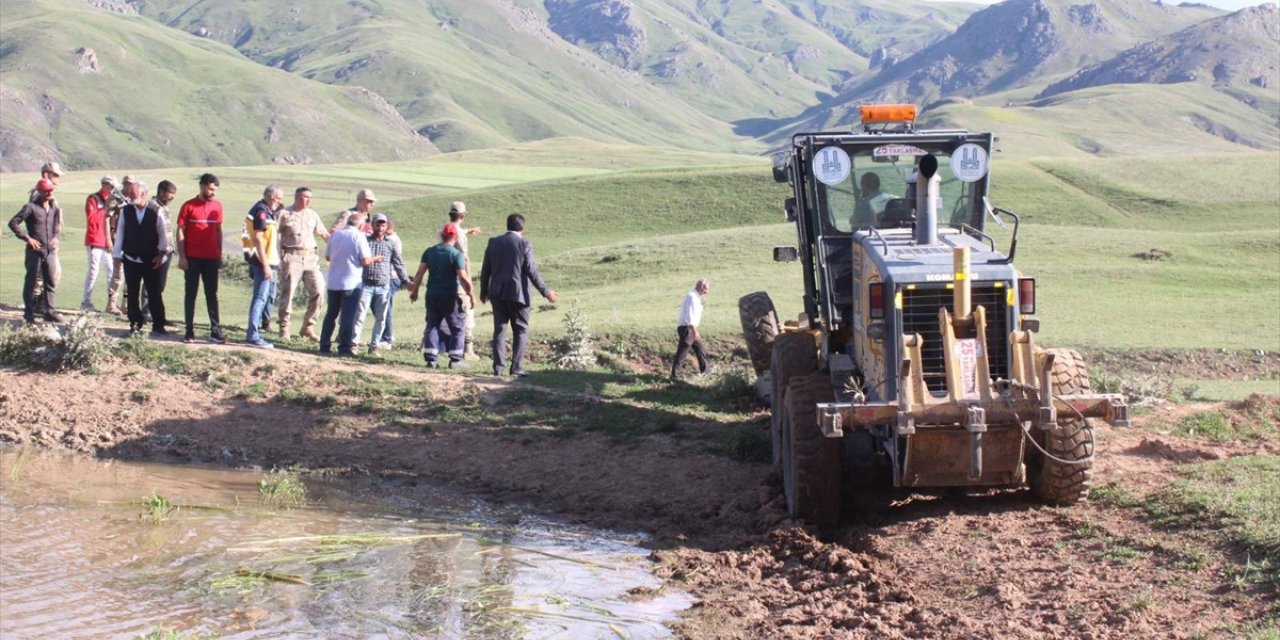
<point x="915" y="352"/>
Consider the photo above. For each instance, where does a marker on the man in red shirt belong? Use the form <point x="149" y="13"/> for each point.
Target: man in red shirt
<point x="97" y="236"/>
<point x="199" y="240"/>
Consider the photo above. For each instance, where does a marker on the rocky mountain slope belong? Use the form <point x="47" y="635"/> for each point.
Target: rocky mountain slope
<point x="1242" y="48"/>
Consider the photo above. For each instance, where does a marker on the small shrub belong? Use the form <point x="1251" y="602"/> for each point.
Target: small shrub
<point x="732" y="382"/>
<point x="574" y="349"/>
<point x="749" y="443"/>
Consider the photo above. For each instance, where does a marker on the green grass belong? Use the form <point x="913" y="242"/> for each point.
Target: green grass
<point x="1237" y="498"/>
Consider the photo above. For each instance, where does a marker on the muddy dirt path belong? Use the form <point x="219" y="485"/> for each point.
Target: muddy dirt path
<point x="986" y="564"/>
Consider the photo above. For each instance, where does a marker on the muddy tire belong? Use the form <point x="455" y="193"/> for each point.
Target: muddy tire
<point x="811" y="466"/>
<point x="1058" y="483"/>
<point x="759" y="328"/>
<point x="794" y="354"/>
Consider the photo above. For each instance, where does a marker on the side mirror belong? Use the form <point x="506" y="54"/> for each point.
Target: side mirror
<point x="785" y="254"/>
<point x="789" y="206"/>
<point x="782" y="173"/>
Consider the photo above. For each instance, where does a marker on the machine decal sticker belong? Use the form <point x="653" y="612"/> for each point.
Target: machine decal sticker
<point x="831" y="165"/>
<point x="969" y="162"/>
<point x="898" y="150"/>
<point x="967" y="352"/>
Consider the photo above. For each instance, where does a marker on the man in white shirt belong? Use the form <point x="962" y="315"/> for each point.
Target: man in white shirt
<point x="687" y="329"/>
<point x="348" y="254"/>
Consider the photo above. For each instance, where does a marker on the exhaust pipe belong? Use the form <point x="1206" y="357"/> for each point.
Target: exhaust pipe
<point x="928" y="193"/>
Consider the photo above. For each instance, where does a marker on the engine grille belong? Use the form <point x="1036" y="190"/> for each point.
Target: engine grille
<point x="920" y="315"/>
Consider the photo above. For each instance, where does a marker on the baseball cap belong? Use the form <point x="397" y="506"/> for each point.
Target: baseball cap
<point x="110" y="181"/>
<point x="458" y="206"/>
<point x="366" y="194"/>
<point x="51" y="167"/>
<point x="127" y="179"/>
<point x="45" y="185"/>
<point x="378" y="217"/>
<point x="449" y="231"/>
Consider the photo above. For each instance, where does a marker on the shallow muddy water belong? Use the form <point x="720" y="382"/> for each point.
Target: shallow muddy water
<point x="79" y="558"/>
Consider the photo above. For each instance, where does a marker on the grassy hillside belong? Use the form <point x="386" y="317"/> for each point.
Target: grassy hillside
<point x="161" y="96"/>
<point x="468" y="74"/>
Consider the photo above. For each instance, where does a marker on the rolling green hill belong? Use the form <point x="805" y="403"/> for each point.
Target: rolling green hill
<point x="94" y="89"/>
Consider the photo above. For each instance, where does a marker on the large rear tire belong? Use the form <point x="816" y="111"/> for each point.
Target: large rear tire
<point x="811" y="470"/>
<point x="794" y="354"/>
<point x="1055" y="482"/>
<point x="759" y="328"/>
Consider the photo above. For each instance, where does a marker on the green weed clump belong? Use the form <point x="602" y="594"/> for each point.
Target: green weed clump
<point x="157" y="508"/>
<point x="282" y="489"/>
<point x="1254" y="418"/>
<point x="80" y="345"/>
<point x="748" y="442"/>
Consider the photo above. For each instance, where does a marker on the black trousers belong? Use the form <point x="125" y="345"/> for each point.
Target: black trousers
<point x="516" y="315"/>
<point x="687" y="343"/>
<point x="39" y="264"/>
<point x="202" y="270"/>
<point x="136" y="276"/>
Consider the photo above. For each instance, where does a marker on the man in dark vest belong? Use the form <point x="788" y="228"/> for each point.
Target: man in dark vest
<point x="141" y="246"/>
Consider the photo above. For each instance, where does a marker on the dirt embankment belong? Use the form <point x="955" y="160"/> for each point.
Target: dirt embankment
<point x="986" y="564"/>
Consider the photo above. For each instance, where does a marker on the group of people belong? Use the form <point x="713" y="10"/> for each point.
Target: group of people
<point x="127" y="234"/>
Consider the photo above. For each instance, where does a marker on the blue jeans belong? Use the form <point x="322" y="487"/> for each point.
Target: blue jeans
<point x="372" y="296"/>
<point x="260" y="307"/>
<point x="341" y="309"/>
<point x="388" y="333"/>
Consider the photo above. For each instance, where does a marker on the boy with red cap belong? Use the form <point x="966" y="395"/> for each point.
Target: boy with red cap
<point x="445" y="269"/>
<point x="38" y="224"/>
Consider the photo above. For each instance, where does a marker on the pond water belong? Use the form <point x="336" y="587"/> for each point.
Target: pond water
<point x="88" y="550"/>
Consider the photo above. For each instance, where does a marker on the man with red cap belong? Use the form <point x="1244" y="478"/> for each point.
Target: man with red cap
<point x="38" y="224"/>
<point x="445" y="269"/>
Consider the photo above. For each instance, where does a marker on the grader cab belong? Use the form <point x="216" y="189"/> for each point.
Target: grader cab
<point x="915" y="351"/>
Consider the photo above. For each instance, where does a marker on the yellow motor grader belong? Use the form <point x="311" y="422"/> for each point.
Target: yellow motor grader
<point x="915" y="350"/>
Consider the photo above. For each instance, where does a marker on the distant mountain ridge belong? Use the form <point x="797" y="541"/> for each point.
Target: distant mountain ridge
<point x="1240" y="48"/>
<point x="326" y="81"/>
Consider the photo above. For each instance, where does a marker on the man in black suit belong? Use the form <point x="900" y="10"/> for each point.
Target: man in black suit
<point x="508" y="269"/>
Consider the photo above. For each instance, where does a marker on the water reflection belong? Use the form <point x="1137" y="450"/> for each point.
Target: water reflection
<point x="78" y="560"/>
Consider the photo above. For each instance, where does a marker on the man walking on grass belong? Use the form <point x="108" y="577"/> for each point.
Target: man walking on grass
<point x="446" y="271"/>
<point x="505" y="275"/>
<point x="687" y="329"/>
<point x="199" y="239"/>
<point x="298" y="226"/>
<point x="458" y="217"/>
